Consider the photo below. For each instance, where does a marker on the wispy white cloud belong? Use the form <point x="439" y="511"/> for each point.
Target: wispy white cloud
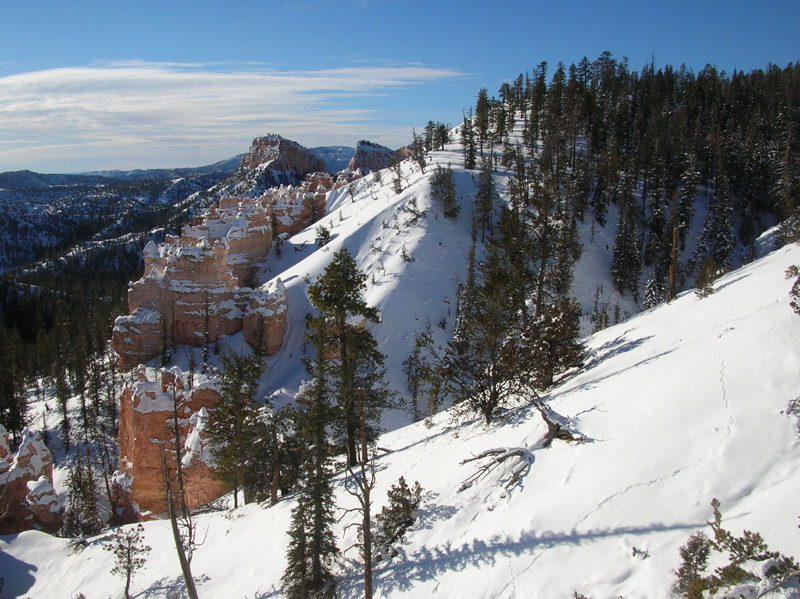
<point x="123" y="112"/>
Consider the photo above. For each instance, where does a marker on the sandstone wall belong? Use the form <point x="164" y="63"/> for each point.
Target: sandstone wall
<point x="196" y="284"/>
<point x="27" y="497"/>
<point x="370" y="156"/>
<point x="147" y="430"/>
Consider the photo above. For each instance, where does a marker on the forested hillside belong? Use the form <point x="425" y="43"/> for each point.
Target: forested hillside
<point x="470" y="276"/>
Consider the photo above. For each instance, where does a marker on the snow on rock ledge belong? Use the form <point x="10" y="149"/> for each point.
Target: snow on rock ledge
<point x="146" y="427"/>
<point x="29" y="500"/>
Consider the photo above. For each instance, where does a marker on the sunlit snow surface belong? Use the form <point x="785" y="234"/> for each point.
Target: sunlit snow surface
<point x="679" y="405"/>
<point x="682" y="404"/>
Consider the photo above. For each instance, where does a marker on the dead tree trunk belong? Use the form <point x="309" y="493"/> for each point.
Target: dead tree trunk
<point x="364" y="481"/>
<point x="525" y="455"/>
<point x="186" y="569"/>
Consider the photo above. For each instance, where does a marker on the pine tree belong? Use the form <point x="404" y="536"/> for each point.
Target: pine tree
<point x="396" y="517"/>
<point x="688" y="191"/>
<point x="312" y="545"/>
<point x="444" y="191"/>
<point x="226" y="429"/>
<point x="350" y="365"/>
<point x="485" y="198"/>
<point x="706" y="277"/>
<point x="653" y="292"/>
<point x="356" y="363"/>
<point x="626" y="263"/>
<point x="484" y="367"/>
<point x="13" y="396"/>
<point x="397" y="174"/>
<point x="716" y="239"/>
<point x="269" y="442"/>
<point x="482" y="117"/>
<point x="550" y="341"/>
<point x="468" y="141"/>
<point x="418" y="152"/>
<point x="129" y="550"/>
<point x="82" y="517"/>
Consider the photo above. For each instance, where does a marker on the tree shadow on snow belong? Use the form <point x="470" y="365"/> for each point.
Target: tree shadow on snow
<point x="430" y="513"/>
<point x="17" y="576"/>
<point x="612" y="348"/>
<point x="169" y="587"/>
<point x="429" y="563"/>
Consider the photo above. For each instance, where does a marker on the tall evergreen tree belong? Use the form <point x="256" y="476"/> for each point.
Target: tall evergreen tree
<point x="312" y="545"/>
<point x="686" y="198"/>
<point x="356" y="364"/>
<point x="444" y="191"/>
<point x="482" y="108"/>
<point x="228" y="440"/>
<point x="485" y="198"/>
<point x="468" y="141"/>
<point x="717" y="239"/>
<point x="626" y="263"/>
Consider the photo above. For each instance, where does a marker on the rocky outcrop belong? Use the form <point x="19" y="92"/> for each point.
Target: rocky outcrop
<point x="196" y="287"/>
<point x="271" y="161"/>
<point x="371" y="157"/>
<point x="27" y="497"/>
<point x="201" y="286"/>
<point x="147" y="415"/>
<point x="282" y="155"/>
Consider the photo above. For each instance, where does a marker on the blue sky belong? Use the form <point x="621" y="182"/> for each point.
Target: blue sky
<point x="89" y="85"/>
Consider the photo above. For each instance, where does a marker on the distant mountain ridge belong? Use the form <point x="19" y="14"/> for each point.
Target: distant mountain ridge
<point x="48" y="213"/>
<point x="226" y="166"/>
<point x="336" y="157"/>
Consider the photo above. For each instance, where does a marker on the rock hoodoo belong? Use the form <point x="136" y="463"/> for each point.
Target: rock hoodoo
<point x="197" y="288"/>
<point x="148" y="409"/>
<point x="27" y="497"/>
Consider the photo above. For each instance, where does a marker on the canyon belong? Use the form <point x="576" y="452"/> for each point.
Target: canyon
<point x="198" y="288"/>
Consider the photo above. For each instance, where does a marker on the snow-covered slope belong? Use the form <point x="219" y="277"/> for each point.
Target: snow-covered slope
<point x="681" y="404"/>
<point x="412" y="266"/>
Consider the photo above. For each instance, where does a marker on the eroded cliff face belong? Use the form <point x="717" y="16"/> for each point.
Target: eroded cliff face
<point x="197" y="288"/>
<point x="149" y="409"/>
<point x="200" y="286"/>
<point x="370" y="157"/>
<point x="270" y="162"/>
<point x="27" y="497"/>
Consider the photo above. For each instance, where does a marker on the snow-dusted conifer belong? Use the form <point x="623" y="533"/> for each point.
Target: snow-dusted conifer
<point x="716" y="239"/>
<point x="444" y="191"/>
<point x="653" y="292"/>
<point x="226" y="429"/>
<point x="396" y="517"/>
<point x="468" y="141"/>
<point x="355" y="362"/>
<point x="626" y="263"/>
<point x="129" y="550"/>
<point x="312" y="545"/>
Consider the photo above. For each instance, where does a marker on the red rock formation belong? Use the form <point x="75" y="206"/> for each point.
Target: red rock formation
<point x="371" y="157"/>
<point x="146" y="430"/>
<point x="281" y="155"/>
<point x="197" y="283"/>
<point x="27" y="497"/>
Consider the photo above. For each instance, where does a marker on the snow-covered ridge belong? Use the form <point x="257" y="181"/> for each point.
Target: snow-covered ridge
<point x="681" y="404"/>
